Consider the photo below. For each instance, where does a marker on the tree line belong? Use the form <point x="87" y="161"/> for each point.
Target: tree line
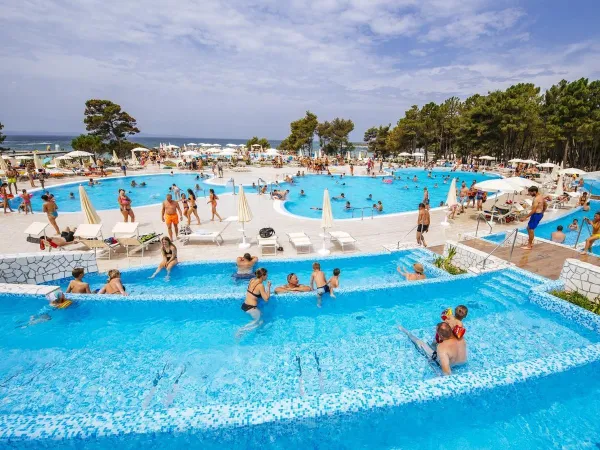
<point x="561" y="124"/>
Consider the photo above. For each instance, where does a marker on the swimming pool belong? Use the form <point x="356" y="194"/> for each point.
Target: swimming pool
<point x="208" y="279"/>
<point x="394" y="197"/>
<point x="104" y="195"/>
<point x="546" y="228"/>
<point x="90" y="372"/>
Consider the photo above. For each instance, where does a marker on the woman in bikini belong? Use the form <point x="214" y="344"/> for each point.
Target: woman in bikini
<point x="169" y="254"/>
<point x="193" y="206"/>
<point x="186" y="207"/>
<point x="114" y="285"/>
<point x="51" y="210"/>
<point x="212" y="199"/>
<point x="256" y="291"/>
<point x="125" y="206"/>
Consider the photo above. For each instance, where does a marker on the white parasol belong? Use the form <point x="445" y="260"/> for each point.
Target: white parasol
<point x="244" y="214"/>
<point x="326" y="220"/>
<point x="91" y="216"/>
<point x="451" y="200"/>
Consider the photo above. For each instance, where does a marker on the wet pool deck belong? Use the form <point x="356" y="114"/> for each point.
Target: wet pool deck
<point x="544" y="259"/>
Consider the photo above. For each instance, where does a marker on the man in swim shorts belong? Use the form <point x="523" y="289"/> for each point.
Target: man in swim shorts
<point x="423" y="220"/>
<point x="170" y="209"/>
<point x="538" y="208"/>
<point x="293" y="285"/>
<point x="11" y="178"/>
<point x="318" y="278"/>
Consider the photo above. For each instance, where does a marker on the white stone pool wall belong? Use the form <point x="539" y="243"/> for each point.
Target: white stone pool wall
<point x="35" y="268"/>
<point x="581" y="277"/>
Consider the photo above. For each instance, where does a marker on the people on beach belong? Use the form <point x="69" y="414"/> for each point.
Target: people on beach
<point x="51" y="209"/>
<point x="5" y="197"/>
<point x="170" y="214"/>
<point x="77" y="285"/>
<point x="255" y="292"/>
<point x="538" y="208"/>
<point x="292" y="285"/>
<point x="114" y="284"/>
<point x="125" y="206"/>
<point x="212" y="200"/>
<point x="558" y="236"/>
<point x="193" y="211"/>
<point x="423" y="220"/>
<point x="595" y="232"/>
<point x="418" y="274"/>
<point x="169" y="257"/>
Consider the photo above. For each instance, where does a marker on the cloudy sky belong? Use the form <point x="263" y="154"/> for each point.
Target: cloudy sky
<point x="212" y="68"/>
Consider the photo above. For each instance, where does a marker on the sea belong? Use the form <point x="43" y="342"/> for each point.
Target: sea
<point x="23" y="142"/>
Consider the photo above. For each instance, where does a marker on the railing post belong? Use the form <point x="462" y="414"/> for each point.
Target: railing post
<point x="512" y="247"/>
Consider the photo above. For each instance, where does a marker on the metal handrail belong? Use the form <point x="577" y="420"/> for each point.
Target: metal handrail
<point x="481" y="216"/>
<point x="580" y="230"/>
<point x="512" y="247"/>
<point x="362" y="212"/>
<point x="410" y="231"/>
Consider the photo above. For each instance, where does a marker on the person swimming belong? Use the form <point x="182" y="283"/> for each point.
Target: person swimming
<point x="143" y="184"/>
<point x="245" y="265"/>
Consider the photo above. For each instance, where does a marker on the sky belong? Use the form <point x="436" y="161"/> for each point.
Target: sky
<point x="213" y="68"/>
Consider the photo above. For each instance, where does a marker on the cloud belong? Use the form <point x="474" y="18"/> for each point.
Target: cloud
<point x="235" y="68"/>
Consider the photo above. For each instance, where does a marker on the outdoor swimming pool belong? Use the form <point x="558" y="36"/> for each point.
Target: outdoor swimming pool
<point x="91" y="372"/>
<point x="394" y="196"/>
<point x="215" y="278"/>
<point x="104" y="195"/>
<point x="546" y="228"/>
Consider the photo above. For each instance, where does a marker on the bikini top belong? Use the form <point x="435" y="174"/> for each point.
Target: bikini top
<point x="250" y="292"/>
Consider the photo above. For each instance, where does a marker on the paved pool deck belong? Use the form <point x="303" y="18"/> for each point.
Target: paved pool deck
<point x="372" y="234"/>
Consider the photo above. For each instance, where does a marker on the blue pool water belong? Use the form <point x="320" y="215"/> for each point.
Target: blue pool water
<point x="216" y="277"/>
<point x="356" y="190"/>
<point x="547" y="227"/>
<point x="104" y="195"/>
<point x="101" y="357"/>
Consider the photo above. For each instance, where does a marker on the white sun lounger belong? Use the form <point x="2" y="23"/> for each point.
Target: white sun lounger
<point x="300" y="241"/>
<point x="127" y="235"/>
<point x="36" y="229"/>
<point x="205" y="235"/>
<point x="344" y="239"/>
<point x="90" y="235"/>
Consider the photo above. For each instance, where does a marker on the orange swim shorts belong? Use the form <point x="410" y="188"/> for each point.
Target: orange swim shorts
<point x="171" y="219"/>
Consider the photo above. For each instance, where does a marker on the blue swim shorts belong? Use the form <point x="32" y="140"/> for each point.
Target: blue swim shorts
<point x="534" y="220"/>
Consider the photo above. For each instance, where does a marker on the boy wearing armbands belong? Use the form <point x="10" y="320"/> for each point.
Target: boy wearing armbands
<point x="455" y="321"/>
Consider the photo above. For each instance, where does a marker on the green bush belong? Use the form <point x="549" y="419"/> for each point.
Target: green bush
<point x="445" y="263"/>
<point x="578" y="299"/>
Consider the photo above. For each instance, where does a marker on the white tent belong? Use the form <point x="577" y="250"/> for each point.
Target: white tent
<point x="326" y="220"/>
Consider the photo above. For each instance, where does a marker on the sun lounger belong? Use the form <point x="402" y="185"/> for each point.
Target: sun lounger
<point x="90" y="235"/>
<point x="344" y="239"/>
<point x="267" y="245"/>
<point x="300" y="241"/>
<point x="205" y="235"/>
<point x="36" y="229"/>
<point x="127" y="234"/>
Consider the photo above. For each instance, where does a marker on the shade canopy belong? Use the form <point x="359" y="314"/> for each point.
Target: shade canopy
<point x="497" y="185"/>
<point x="78" y="154"/>
<point x="139" y="149"/>
<point x="487" y="157"/>
<point x="63" y="157"/>
<point x="327" y="216"/>
<point x="272" y="152"/>
<point x="192" y="153"/>
<point x="530" y="161"/>
<point x="405" y="154"/>
<point x="572" y="171"/>
<point x="515" y="160"/>
<point x="243" y="209"/>
<point x="451" y="198"/>
<point x="91" y="216"/>
<point x="547" y="165"/>
<point x="522" y="183"/>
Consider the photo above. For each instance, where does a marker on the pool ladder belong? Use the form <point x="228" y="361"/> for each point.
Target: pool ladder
<point x="580" y="230"/>
<point x="362" y="212"/>
<point x="481" y="217"/>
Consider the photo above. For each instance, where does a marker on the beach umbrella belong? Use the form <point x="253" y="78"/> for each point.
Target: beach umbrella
<point x="515" y="160"/>
<point x="405" y="154"/>
<point x="559" y="186"/>
<point x="487" y="158"/>
<point x="547" y="165"/>
<point x="572" y="171"/>
<point x="326" y="220"/>
<point x="244" y="214"/>
<point x="191" y="153"/>
<point x="521" y="183"/>
<point x="272" y="152"/>
<point x="37" y="161"/>
<point x="78" y="154"/>
<point x="92" y="161"/>
<point x="91" y="216"/>
<point x="115" y="158"/>
<point x="497" y="185"/>
<point x="530" y="161"/>
<point x="139" y="149"/>
<point x="3" y="165"/>
<point x="451" y="200"/>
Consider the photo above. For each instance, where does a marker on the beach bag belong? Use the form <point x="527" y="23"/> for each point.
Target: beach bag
<point x="266" y="232"/>
<point x="185" y="230"/>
